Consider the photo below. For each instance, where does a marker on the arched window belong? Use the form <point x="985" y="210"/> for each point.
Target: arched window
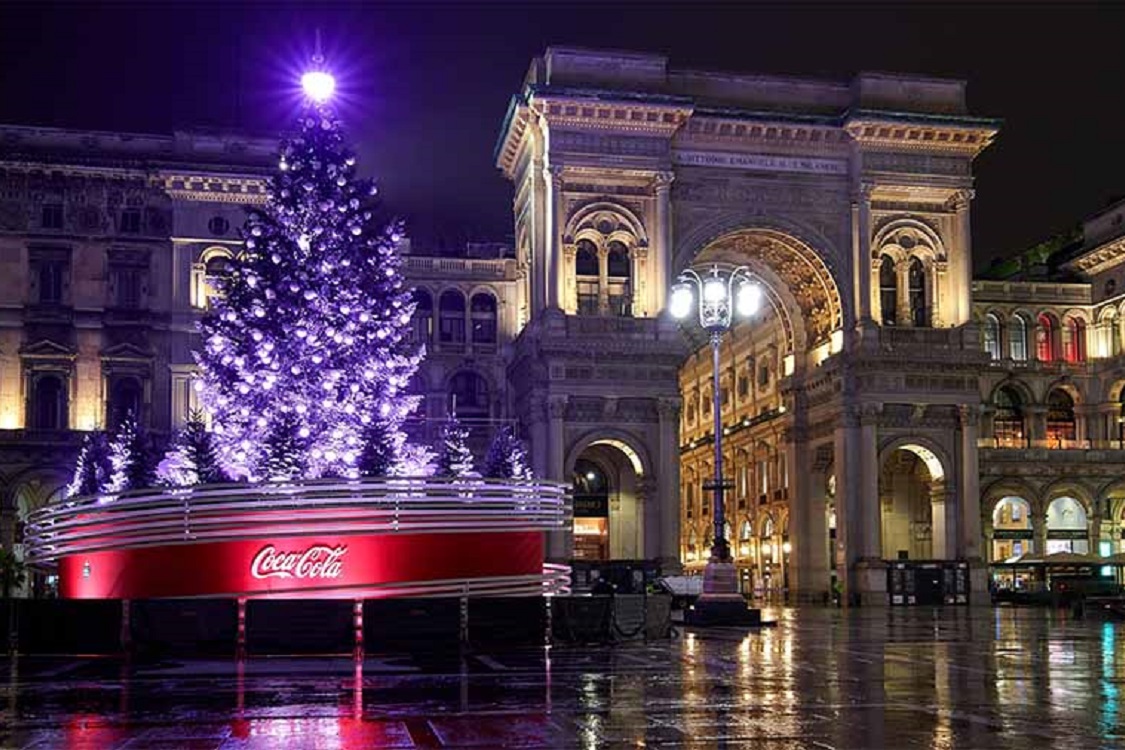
<point x="620" y="280"/>
<point x="1109" y="333"/>
<point x="588" y="274"/>
<point x="1007" y="424"/>
<point x="1067" y="526"/>
<point x="1018" y="338"/>
<point x="125" y="398"/>
<point x="1076" y="340"/>
<point x="49" y="404"/>
<point x="468" y="393"/>
<point x="483" y="310"/>
<point x="992" y="335"/>
<point x="916" y="279"/>
<point x="888" y="290"/>
<point x="1061" y="424"/>
<point x="451" y="308"/>
<point x="208" y="277"/>
<point x="422" y="325"/>
<point x="1045" y="338"/>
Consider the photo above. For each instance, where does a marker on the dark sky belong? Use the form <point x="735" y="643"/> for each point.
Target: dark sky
<point x="427" y="85"/>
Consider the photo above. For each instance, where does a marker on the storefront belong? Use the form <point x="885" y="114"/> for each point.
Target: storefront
<point x="1067" y="529"/>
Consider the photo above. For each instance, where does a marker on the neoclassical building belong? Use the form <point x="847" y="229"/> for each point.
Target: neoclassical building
<point x="890" y="425"/>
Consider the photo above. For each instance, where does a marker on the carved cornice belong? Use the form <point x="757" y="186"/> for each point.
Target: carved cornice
<point x="589" y="113"/>
<point x="215" y="188"/>
<point x="809" y="137"/>
<point x="1100" y="259"/>
<point x="969" y="138"/>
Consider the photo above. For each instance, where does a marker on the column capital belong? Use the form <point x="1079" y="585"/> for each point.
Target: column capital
<point x="863" y="191"/>
<point x="556" y="406"/>
<point x="961" y="199"/>
<point x="669" y="408"/>
<point x="663" y="180"/>
<point x="969" y="415"/>
<point x="570" y="251"/>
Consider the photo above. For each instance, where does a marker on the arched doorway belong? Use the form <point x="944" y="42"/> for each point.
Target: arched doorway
<point x="1012" y="532"/>
<point x="1067" y="529"/>
<point x="912" y="503"/>
<point x="609" y="503"/>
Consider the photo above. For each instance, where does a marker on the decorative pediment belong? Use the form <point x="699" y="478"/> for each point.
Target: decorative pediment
<point x="1100" y="259"/>
<point x="46" y="349"/>
<point x="126" y="352"/>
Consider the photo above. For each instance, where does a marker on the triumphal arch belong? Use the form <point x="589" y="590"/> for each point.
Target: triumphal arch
<point x="850" y="403"/>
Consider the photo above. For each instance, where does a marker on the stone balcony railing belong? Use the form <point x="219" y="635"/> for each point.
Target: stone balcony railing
<point x="1066" y="451"/>
<point x="466" y="268"/>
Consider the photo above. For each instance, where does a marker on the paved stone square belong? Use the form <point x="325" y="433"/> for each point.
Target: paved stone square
<point x="875" y="678"/>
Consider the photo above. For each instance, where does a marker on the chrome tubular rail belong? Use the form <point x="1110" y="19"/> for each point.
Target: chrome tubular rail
<point x="210" y="513"/>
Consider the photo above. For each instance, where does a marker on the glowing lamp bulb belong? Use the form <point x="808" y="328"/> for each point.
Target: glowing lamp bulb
<point x="318" y="85"/>
<point x="749" y="299"/>
<point x="680" y="305"/>
<point x="714" y="290"/>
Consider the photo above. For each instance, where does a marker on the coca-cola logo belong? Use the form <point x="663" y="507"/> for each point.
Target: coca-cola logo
<point x="317" y="561"/>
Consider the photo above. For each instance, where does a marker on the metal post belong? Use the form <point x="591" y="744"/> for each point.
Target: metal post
<point x="719" y="549"/>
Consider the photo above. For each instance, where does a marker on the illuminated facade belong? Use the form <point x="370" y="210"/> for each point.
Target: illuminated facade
<point x="884" y="408"/>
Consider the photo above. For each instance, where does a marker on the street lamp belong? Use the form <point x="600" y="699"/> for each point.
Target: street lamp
<point x="717" y="296"/>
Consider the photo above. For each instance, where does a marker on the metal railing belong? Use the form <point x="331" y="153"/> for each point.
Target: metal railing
<point x="208" y="513"/>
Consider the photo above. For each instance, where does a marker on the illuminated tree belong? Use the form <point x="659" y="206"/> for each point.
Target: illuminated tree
<point x="507" y="458"/>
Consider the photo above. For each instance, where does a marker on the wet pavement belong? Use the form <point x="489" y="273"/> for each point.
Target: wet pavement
<point x="903" y="679"/>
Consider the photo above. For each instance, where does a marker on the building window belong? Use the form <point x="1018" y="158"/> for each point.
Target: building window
<point x="587" y="273"/>
<point x="1061" y="423"/>
<point x="215" y="274"/>
<point x="468" y="393"/>
<point x="451" y="308"/>
<point x="1044" y="338"/>
<point x="49" y="269"/>
<point x="620" y="280"/>
<point x="127" y="287"/>
<point x="48" y="402"/>
<point x="423" y="321"/>
<point x="1110" y="288"/>
<point x="992" y="335"/>
<point x="1076" y="340"/>
<point x="1018" y="341"/>
<point x="51" y="216"/>
<point x="131" y="221"/>
<point x="483" y="310"/>
<point x="916" y="278"/>
<point x="763" y="375"/>
<point x="125" y="398"/>
<point x="1007" y="423"/>
<point x="888" y="290"/>
<point x="743" y="386"/>
<point x="218" y="226"/>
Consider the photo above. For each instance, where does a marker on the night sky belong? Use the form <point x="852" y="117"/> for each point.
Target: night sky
<point x="427" y="85"/>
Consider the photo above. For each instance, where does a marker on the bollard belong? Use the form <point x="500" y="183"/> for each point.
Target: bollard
<point x="126" y="627"/>
<point x="357" y="624"/>
<point x="240" y="645"/>
<point x="463" y="629"/>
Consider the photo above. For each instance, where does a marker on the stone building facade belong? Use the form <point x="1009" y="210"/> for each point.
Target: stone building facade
<point x="883" y="409"/>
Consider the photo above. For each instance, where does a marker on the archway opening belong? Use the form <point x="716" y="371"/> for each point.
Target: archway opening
<point x="1067" y="529"/>
<point x="608" y="503"/>
<point x="1012" y="532"/>
<point x="912" y="500"/>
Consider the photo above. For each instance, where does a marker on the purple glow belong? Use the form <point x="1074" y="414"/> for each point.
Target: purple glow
<point x="318" y="85"/>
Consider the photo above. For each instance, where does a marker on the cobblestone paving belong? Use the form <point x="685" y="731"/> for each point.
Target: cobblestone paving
<point x="958" y="678"/>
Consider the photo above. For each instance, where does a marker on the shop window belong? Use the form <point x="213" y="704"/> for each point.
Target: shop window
<point x="452" y="311"/>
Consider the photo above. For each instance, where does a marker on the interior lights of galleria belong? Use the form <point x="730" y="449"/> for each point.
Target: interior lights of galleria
<point x="884" y="410"/>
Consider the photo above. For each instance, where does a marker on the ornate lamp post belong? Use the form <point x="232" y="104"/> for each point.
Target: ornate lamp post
<point x="717" y="295"/>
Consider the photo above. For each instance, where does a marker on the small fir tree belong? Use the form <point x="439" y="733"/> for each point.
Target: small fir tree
<point x="92" y="471"/>
<point x="130" y="458"/>
<point x="382" y="450"/>
<point x="454" y="459"/>
<point x="285" y="453"/>
<point x="507" y="458"/>
<point x="195" y="457"/>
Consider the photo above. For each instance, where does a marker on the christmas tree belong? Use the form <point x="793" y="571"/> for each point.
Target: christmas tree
<point x="306" y="356"/>
<point x="506" y="457"/>
<point x="91" y="473"/>
<point x="454" y="459"/>
<point x="194" y="459"/>
<point x="130" y="458"/>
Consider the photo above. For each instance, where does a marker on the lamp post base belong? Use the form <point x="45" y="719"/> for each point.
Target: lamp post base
<point x="720" y="603"/>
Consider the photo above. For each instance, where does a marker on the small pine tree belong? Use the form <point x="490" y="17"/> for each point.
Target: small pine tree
<point x="507" y="458"/>
<point x="285" y="451"/>
<point x="91" y="472"/>
<point x="454" y="458"/>
<point x="195" y="458"/>
<point x="131" y="458"/>
<point x="381" y="451"/>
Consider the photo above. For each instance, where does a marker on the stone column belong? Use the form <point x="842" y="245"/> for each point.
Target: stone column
<point x="603" y="279"/>
<point x="808" y="533"/>
<point x="902" y="293"/>
<point x="562" y="547"/>
<point x="555" y="214"/>
<point x="539" y="221"/>
<point x="969" y="544"/>
<point x="1037" y="423"/>
<point x="570" y="298"/>
<point x="639" y="291"/>
<point x="871" y="580"/>
<point x="846" y="467"/>
<point x="661" y="237"/>
<point x="861" y="252"/>
<point x="1039" y="529"/>
<point x="668" y="485"/>
<point x="961" y="312"/>
<point x="944" y="514"/>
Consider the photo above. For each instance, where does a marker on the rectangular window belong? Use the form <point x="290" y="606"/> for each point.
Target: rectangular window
<point x="127" y="287"/>
<point x="131" y="221"/>
<point x="49" y="268"/>
<point x="52" y="216"/>
<point x="50" y="283"/>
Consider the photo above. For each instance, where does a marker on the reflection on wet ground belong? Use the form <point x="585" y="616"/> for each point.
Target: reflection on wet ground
<point x="956" y="678"/>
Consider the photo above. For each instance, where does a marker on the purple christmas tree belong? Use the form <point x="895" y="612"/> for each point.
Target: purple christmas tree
<point x="308" y="348"/>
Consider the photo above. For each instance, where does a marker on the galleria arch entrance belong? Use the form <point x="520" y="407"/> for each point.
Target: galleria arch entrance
<point x="610" y="491"/>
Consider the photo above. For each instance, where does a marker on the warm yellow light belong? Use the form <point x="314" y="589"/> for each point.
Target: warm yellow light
<point x="766" y="549"/>
<point x="837" y="340"/>
<point x="786" y="548"/>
